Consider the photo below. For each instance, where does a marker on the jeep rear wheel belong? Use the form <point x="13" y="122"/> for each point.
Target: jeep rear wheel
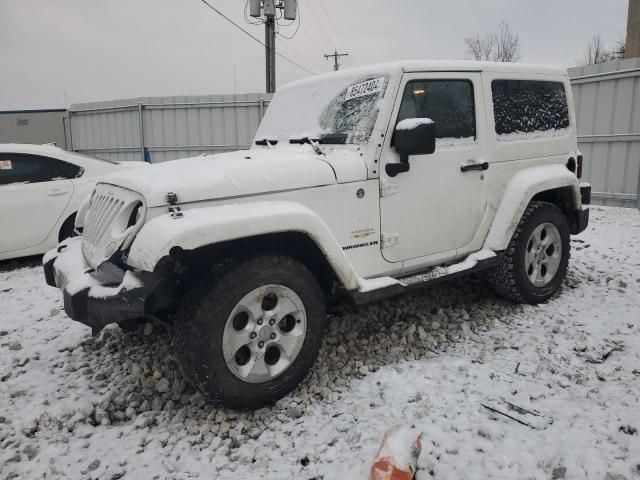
<point x="532" y="268"/>
<point x="252" y="333"/>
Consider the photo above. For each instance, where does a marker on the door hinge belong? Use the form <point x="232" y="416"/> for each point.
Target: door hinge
<point x="390" y="239"/>
<point x="388" y="188"/>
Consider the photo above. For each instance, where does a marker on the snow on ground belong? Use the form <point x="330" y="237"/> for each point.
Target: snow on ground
<point x="115" y="407"/>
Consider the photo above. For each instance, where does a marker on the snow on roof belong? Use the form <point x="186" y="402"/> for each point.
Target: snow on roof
<point x="47" y="149"/>
<point x="472" y="66"/>
<point x="435" y="66"/>
<point x="53" y="151"/>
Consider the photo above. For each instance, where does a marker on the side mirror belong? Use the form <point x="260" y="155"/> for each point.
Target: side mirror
<point x="412" y="136"/>
<point x="415" y="136"/>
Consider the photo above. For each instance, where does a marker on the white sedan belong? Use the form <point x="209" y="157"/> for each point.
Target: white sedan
<point x="41" y="189"/>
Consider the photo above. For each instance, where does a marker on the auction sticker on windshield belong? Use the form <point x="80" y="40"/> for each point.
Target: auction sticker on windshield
<point x="6" y="165"/>
<point x="364" y="88"/>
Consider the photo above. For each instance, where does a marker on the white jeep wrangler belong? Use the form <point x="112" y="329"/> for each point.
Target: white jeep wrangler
<point x="361" y="184"/>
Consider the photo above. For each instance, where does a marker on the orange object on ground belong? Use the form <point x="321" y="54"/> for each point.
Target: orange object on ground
<point x="397" y="458"/>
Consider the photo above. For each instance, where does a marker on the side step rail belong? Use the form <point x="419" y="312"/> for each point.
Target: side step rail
<point x="378" y="288"/>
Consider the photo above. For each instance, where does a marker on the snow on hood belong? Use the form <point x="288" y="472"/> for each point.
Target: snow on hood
<point x="227" y="175"/>
<point x="132" y="164"/>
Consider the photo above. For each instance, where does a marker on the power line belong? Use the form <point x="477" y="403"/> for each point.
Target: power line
<point x="304" y="30"/>
<point x="335" y="41"/>
<point x="309" y="62"/>
<point x="335" y="32"/>
<point x="312" y="10"/>
<point x="286" y="44"/>
<point x="326" y="14"/>
<point x="254" y="38"/>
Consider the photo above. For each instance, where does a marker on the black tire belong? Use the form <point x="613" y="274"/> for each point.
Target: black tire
<point x="201" y="320"/>
<point x="67" y="229"/>
<point x="509" y="277"/>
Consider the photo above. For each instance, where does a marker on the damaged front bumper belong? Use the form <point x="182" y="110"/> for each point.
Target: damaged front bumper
<point x="94" y="298"/>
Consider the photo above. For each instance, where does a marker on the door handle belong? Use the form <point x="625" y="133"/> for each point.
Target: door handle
<point x="470" y="167"/>
<point x="54" y="192"/>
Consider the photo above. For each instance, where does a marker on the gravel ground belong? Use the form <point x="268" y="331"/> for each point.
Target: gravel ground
<point x="115" y="406"/>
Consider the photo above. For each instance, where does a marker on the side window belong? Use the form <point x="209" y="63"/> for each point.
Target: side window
<point x="529" y="109"/>
<point x="66" y="170"/>
<point x="19" y="168"/>
<point x="449" y="103"/>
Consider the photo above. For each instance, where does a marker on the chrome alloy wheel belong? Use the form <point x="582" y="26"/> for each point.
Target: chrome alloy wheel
<point x="264" y="333"/>
<point x="543" y="254"/>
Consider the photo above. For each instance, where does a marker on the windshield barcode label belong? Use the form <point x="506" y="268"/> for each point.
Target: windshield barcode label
<point x="364" y="88"/>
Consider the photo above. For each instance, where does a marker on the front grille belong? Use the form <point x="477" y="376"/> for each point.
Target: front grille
<point x="108" y="222"/>
<point x="103" y="210"/>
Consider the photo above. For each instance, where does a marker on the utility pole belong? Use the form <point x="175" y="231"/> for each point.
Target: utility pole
<point x="335" y="55"/>
<point x="270" y="52"/>
<point x="267" y="9"/>
<point x="632" y="49"/>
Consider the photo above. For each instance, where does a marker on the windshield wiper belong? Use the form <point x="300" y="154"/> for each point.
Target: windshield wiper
<point x="334" y="138"/>
<point x="303" y="140"/>
<point x="324" y="139"/>
<point x="266" y="142"/>
<point x="311" y="141"/>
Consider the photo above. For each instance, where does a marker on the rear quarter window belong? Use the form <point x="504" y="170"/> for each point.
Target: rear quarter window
<point x="529" y="109"/>
<point x="66" y="170"/>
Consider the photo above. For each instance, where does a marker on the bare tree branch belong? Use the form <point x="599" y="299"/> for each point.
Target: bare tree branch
<point x="619" y="49"/>
<point x="475" y="47"/>
<point x="507" y="44"/>
<point x="503" y="46"/>
<point x="596" y="51"/>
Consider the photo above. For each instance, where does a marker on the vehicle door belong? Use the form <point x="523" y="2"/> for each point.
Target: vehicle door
<point x="33" y="197"/>
<point x="437" y="206"/>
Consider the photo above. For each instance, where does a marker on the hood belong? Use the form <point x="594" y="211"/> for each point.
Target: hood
<point x="232" y="174"/>
<point x="131" y="164"/>
<point x="98" y="169"/>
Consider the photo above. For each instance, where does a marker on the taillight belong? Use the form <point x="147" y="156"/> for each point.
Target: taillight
<point x="579" y="169"/>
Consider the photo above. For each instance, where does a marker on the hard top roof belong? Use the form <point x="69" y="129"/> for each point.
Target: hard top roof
<point x="433" y="66"/>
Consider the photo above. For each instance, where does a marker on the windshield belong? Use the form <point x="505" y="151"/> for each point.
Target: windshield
<point x="341" y="109"/>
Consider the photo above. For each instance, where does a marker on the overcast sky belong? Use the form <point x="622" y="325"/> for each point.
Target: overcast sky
<point x="57" y="52"/>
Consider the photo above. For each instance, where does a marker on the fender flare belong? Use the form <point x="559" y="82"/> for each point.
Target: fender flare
<point x="199" y="227"/>
<point x="520" y="190"/>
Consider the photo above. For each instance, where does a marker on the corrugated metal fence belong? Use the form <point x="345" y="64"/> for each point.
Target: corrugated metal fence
<point x="607" y="100"/>
<point x="158" y="129"/>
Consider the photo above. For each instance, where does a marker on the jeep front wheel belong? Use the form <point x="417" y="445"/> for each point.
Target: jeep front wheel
<point x="535" y="262"/>
<point x="251" y="334"/>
